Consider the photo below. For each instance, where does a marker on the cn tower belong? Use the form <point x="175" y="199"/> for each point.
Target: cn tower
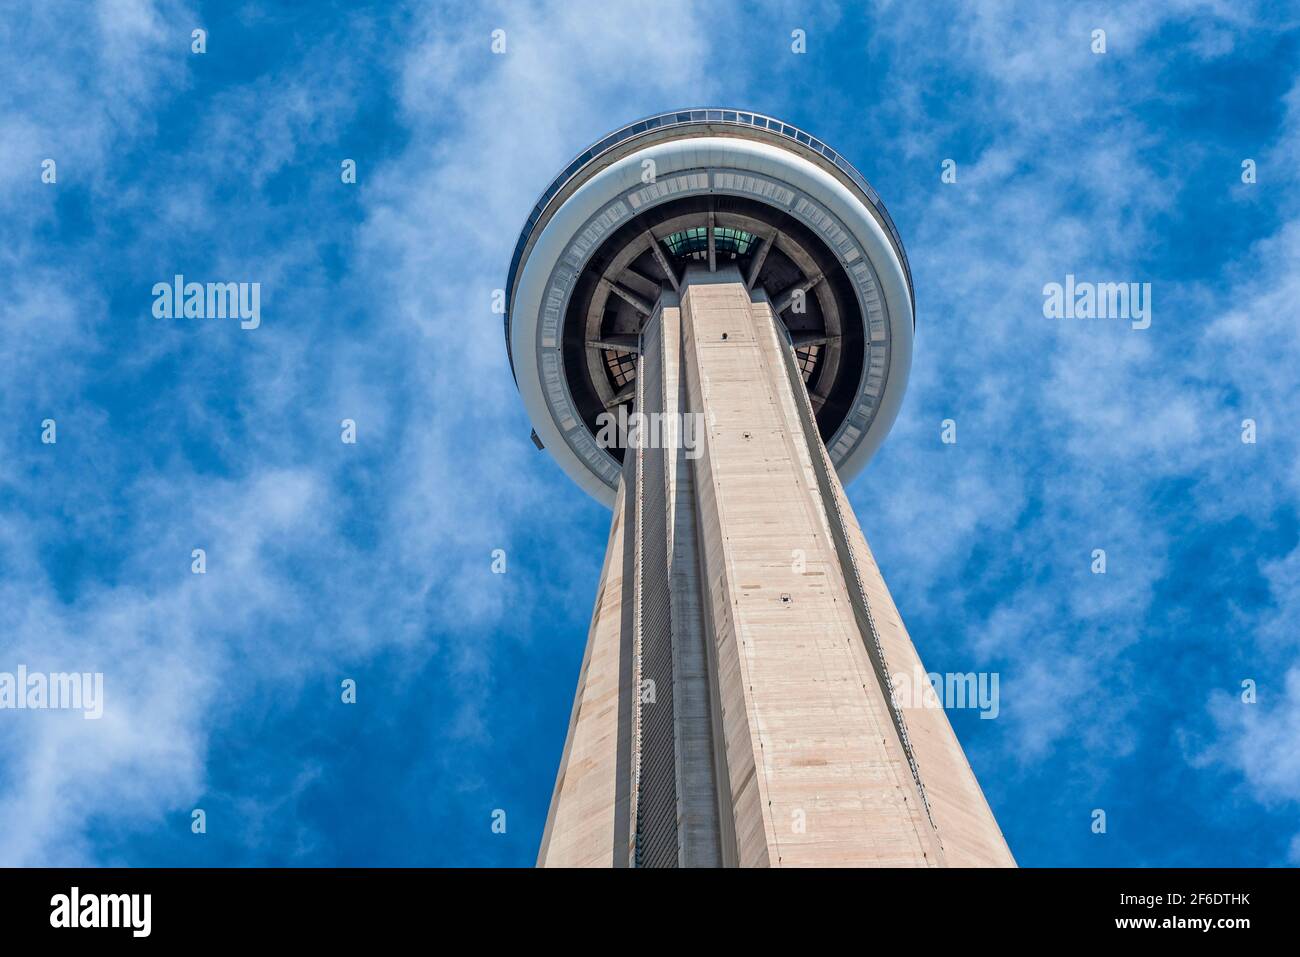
<point x="710" y="320"/>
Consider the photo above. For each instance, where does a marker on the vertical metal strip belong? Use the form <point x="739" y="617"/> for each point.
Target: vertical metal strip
<point x="658" y="838"/>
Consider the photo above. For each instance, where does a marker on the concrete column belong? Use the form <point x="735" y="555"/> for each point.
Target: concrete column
<point x="739" y="584"/>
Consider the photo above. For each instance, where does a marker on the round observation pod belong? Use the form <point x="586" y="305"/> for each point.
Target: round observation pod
<point x="714" y="187"/>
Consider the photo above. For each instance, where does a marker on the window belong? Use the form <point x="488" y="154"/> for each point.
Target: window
<point x="693" y="243"/>
<point x="622" y="367"/>
<point x="807" y="359"/>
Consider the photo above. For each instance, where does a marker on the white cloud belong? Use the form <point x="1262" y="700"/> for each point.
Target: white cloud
<point x="1067" y="431"/>
<point x="443" y="458"/>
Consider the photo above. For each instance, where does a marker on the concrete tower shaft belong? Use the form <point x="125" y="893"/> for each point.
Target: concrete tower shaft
<point x="734" y="705"/>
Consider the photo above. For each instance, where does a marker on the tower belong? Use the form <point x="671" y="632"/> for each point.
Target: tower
<point x="710" y="321"/>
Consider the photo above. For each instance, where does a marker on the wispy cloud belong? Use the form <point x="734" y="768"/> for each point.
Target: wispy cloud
<point x="328" y="560"/>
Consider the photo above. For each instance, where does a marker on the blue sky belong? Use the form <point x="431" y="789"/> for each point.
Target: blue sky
<point x="372" y="561"/>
